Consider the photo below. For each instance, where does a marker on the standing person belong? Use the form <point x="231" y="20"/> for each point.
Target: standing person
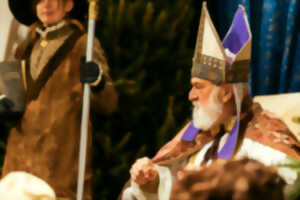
<point x="226" y="123"/>
<point x="45" y="142"/>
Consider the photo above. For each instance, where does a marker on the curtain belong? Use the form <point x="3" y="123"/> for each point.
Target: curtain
<point x="275" y="63"/>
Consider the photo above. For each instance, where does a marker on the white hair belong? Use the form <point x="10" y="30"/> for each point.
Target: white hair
<point x="240" y="90"/>
<point x="205" y="116"/>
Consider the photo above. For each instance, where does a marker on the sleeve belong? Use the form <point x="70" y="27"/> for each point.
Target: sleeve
<point x="104" y="100"/>
<point x="167" y="176"/>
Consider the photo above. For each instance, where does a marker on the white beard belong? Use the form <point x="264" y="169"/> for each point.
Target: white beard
<point x="205" y="116"/>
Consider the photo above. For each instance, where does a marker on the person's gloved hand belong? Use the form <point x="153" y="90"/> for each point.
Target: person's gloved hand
<point x="5" y="104"/>
<point x="90" y="72"/>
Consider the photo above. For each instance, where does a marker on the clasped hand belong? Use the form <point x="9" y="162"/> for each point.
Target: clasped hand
<point x="143" y="172"/>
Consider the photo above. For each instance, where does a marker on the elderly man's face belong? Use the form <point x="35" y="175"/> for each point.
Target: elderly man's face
<point x="207" y="106"/>
<point x="50" y="12"/>
<point x="201" y="90"/>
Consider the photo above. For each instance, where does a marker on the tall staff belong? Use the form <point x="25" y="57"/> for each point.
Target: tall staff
<point x="93" y="12"/>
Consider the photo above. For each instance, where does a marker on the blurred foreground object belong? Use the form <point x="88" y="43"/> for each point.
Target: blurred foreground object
<point x="243" y="179"/>
<point x="24" y="186"/>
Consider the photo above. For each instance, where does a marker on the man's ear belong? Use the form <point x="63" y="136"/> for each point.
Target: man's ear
<point x="69" y="5"/>
<point x="226" y="92"/>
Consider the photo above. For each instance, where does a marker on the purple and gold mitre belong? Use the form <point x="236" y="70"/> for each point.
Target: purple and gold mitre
<point x="226" y="62"/>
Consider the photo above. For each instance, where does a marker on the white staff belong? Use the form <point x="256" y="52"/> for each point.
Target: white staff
<point x="93" y="11"/>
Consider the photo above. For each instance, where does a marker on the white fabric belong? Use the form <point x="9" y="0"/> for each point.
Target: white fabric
<point x="24" y="186"/>
<point x="139" y="194"/>
<point x="128" y="194"/>
<point x="229" y="54"/>
<point x="272" y="157"/>
<point x="260" y="152"/>
<point x="269" y="157"/>
<point x="212" y="41"/>
<point x="165" y="182"/>
<point x="2" y="96"/>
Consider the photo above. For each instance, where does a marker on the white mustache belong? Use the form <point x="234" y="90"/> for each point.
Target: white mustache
<point x="196" y="104"/>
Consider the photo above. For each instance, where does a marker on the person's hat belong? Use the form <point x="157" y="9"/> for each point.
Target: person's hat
<point x="24" y="12"/>
<point x="24" y="186"/>
<point x="227" y="61"/>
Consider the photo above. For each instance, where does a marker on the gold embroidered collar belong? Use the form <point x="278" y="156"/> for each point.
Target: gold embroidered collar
<point x="228" y="125"/>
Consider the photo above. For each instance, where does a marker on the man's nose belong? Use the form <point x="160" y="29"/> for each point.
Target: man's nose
<point x="192" y="95"/>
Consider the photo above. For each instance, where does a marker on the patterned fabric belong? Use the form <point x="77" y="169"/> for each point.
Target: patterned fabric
<point x="275" y="61"/>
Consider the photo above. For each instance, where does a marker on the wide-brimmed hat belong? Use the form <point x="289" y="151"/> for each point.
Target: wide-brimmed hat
<point x="23" y="10"/>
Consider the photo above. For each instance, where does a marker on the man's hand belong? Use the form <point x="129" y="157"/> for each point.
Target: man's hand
<point x="5" y="104"/>
<point x="90" y="72"/>
<point x="143" y="172"/>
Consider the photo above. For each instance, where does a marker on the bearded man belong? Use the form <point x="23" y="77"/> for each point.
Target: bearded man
<point x="226" y="123"/>
<point x="45" y="142"/>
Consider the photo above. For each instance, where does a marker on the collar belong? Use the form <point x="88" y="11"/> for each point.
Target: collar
<point x="44" y="32"/>
<point x="228" y="125"/>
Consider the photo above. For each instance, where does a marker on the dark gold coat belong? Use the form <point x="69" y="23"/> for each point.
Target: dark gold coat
<point x="46" y="140"/>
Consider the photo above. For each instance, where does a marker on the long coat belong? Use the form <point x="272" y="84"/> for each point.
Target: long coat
<point x="46" y="140"/>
